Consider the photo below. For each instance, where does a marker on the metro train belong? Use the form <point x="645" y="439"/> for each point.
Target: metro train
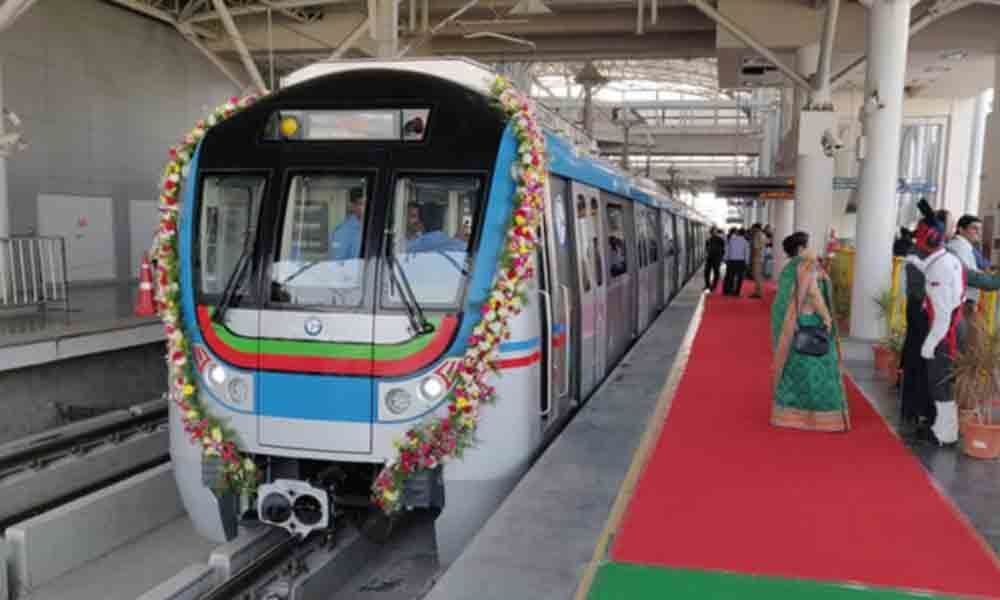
<point x="337" y="239"/>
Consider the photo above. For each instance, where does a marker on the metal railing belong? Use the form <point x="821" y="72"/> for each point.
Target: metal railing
<point x="33" y="272"/>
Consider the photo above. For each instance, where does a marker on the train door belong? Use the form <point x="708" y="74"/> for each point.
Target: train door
<point x="621" y="267"/>
<point x="642" y="246"/>
<point x="669" y="255"/>
<point x="563" y="294"/>
<point x="315" y="389"/>
<point x="593" y="296"/>
<point x="656" y="260"/>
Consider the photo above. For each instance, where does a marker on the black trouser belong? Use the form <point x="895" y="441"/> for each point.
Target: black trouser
<point x="939" y="376"/>
<point x="734" y="277"/>
<point x="713" y="273"/>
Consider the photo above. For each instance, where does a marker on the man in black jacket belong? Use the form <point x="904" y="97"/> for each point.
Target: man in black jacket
<point x="715" y="250"/>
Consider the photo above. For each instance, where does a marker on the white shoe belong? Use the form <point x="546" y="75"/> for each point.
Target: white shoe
<point x="945" y="426"/>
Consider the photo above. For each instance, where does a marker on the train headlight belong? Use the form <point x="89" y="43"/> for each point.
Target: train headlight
<point x="398" y="400"/>
<point x="432" y="388"/>
<point x="237" y="389"/>
<point x="275" y="508"/>
<point x="217" y="374"/>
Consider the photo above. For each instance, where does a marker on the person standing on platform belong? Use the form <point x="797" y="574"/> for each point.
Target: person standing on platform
<point x="945" y="290"/>
<point x="808" y="389"/>
<point x="757" y="243"/>
<point x="715" y="251"/>
<point x="737" y="256"/>
<point x="963" y="245"/>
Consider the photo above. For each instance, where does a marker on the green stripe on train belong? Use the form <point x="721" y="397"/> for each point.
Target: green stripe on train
<point x="327" y="349"/>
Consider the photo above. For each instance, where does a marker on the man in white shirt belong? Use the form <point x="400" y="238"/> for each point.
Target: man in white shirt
<point x="737" y="257"/>
<point x="969" y="232"/>
<point x="945" y="290"/>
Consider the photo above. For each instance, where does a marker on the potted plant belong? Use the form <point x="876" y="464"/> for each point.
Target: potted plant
<point x="881" y="350"/>
<point x="892" y="345"/>
<point x="976" y="373"/>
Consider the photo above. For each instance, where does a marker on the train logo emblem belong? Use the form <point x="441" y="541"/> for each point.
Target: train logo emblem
<point x="313" y="326"/>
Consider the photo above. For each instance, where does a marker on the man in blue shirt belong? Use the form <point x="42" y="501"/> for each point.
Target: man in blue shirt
<point x="347" y="238"/>
<point x="433" y="238"/>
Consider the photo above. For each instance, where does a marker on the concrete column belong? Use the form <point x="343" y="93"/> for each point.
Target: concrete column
<point x="4" y="207"/>
<point x="813" y="168"/>
<point x="588" y="110"/>
<point x="958" y="157"/>
<point x="386" y="28"/>
<point x="888" y="39"/>
<point x="976" y="156"/>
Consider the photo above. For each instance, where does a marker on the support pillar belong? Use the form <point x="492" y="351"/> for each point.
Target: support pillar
<point x="888" y="38"/>
<point x="813" y="166"/>
<point x="4" y="207"/>
<point x="386" y="28"/>
<point x="976" y="157"/>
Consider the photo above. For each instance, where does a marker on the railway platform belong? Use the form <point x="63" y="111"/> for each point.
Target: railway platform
<point x="671" y="483"/>
<point x="58" y="366"/>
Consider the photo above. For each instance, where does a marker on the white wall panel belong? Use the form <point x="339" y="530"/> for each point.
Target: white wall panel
<point x="85" y="222"/>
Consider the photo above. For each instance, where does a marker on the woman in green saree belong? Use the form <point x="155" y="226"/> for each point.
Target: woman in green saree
<point x="808" y="390"/>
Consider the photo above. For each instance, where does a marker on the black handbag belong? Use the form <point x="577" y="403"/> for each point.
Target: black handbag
<point x="812" y="340"/>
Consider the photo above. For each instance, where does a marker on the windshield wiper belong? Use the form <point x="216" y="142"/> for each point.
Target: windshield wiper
<point x="235" y="278"/>
<point x="418" y="322"/>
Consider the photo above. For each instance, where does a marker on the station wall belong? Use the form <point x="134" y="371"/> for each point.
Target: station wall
<point x="102" y="93"/>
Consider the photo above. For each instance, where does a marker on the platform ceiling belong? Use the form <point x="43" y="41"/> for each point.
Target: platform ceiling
<point x="293" y="33"/>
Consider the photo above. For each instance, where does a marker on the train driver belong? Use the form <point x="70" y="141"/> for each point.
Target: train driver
<point x="345" y="242"/>
<point x="433" y="238"/>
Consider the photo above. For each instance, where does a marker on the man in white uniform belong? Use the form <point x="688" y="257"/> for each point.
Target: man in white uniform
<point x="945" y="289"/>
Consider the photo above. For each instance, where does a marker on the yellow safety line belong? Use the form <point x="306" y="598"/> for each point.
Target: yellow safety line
<point x="642" y="453"/>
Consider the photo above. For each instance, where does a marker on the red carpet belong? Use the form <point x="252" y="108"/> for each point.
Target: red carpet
<point x="725" y="491"/>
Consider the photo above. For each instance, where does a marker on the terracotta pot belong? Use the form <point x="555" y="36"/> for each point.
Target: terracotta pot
<point x="981" y="441"/>
<point x="882" y="356"/>
<point x="892" y="375"/>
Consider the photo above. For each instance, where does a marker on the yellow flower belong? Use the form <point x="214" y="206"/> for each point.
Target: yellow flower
<point x="210" y="451"/>
<point x="192" y="415"/>
<point x="216" y="434"/>
<point x="189" y="390"/>
<point x="391" y="496"/>
<point x="461" y="402"/>
<point x="249" y="466"/>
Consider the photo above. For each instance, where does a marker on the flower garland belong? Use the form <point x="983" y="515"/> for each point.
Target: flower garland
<point x="437" y="440"/>
<point x="238" y="474"/>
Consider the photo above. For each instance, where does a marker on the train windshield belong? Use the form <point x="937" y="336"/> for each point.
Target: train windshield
<point x="320" y="259"/>
<point x="431" y="221"/>
<point x="228" y="215"/>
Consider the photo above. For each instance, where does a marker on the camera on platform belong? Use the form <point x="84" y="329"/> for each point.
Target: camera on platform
<point x="831" y="143"/>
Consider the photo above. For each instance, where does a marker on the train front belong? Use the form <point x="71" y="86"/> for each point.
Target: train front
<point x="337" y="241"/>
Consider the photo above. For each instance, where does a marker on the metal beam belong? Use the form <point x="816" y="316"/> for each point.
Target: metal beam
<point x="161" y="15"/>
<point x="352" y="38"/>
<point x="252" y="9"/>
<point x="11" y="10"/>
<point x="751" y="42"/>
<point x="241" y="48"/>
<point x="822" y="93"/>
<point x="426" y="37"/>
<point x="186" y="31"/>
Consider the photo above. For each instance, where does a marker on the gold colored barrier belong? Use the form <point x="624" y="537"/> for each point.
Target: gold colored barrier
<point x="988" y="309"/>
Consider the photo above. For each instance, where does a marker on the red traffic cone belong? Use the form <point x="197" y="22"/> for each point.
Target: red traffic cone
<point x="144" y="304"/>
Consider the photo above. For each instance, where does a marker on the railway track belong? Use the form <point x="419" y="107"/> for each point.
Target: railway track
<point x="47" y="470"/>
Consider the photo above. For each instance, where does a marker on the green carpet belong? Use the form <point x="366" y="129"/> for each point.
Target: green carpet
<point x="620" y="581"/>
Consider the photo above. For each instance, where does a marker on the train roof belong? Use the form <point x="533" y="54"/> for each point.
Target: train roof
<point x="479" y="78"/>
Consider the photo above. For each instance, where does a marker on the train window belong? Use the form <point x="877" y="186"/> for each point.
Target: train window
<point x="320" y="256"/>
<point x="432" y="222"/>
<point x="585" y="233"/>
<point x="229" y="209"/>
<point x="598" y="261"/>
<point x="653" y="245"/>
<point x="618" y="251"/>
